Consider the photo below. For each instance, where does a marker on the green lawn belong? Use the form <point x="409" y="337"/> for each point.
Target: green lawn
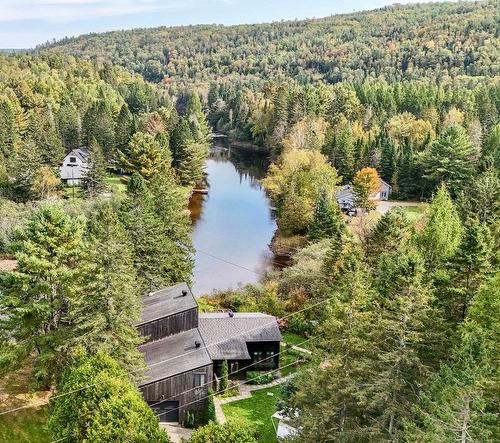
<point x="25" y="426"/>
<point x="258" y="411"/>
<point x="293" y="339"/>
<point x="116" y="183"/>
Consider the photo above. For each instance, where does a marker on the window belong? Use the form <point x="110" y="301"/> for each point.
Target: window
<point x="72" y="159"/>
<point x="234" y="366"/>
<point x="199" y="380"/>
<point x="263" y="359"/>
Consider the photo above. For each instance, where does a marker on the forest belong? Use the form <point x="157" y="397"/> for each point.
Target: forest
<point x="401" y="310"/>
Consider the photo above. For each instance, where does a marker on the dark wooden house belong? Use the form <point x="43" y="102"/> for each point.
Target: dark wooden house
<point x="183" y="348"/>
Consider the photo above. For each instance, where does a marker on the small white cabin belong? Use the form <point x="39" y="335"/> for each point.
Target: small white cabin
<point x="346" y="197"/>
<point x="73" y="169"/>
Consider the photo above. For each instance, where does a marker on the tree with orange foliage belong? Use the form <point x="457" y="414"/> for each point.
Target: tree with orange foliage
<point x="366" y="182"/>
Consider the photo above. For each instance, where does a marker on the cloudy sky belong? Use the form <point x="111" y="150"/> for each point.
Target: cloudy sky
<point x="26" y="23"/>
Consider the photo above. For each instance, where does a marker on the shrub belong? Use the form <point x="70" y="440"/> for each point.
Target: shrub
<point x="224" y="381"/>
<point x="298" y="324"/>
<point x="230" y="432"/>
<point x="189" y="419"/>
<point x="259" y="378"/>
<point x="209" y="412"/>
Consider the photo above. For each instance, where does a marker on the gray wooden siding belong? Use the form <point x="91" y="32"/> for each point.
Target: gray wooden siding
<point x="173" y="324"/>
<point x="181" y="388"/>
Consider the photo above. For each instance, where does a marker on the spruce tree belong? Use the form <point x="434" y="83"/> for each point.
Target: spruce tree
<point x="123" y="129"/>
<point x="327" y="219"/>
<point x="95" y="179"/>
<point x="43" y="131"/>
<point x="98" y="123"/>
<point x="38" y="295"/>
<point x="442" y="233"/>
<point x="151" y="248"/>
<point x="104" y="315"/>
<point x="69" y="125"/>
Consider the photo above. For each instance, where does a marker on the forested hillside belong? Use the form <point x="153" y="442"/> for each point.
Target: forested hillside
<point x="436" y="41"/>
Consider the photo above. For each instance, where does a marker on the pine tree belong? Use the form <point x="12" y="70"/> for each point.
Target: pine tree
<point x="327" y="220"/>
<point x="98" y="123"/>
<point x="24" y="166"/>
<point x="342" y="151"/>
<point x="103" y="318"/>
<point x="8" y="126"/>
<point x="39" y="293"/>
<point x="209" y="412"/>
<point x="450" y="160"/>
<point x="95" y="179"/>
<point x="146" y="156"/>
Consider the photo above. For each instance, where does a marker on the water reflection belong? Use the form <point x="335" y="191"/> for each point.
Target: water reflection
<point x="233" y="221"/>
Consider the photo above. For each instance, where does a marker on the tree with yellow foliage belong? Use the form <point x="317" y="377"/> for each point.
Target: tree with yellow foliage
<point x="366" y="182"/>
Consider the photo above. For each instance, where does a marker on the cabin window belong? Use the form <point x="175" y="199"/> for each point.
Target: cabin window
<point x="235" y="366"/>
<point x="263" y="359"/>
<point x="199" y="380"/>
<point x="72" y="159"/>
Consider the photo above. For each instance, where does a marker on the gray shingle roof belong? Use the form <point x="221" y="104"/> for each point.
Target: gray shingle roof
<point x="226" y="337"/>
<point x="173" y="355"/>
<point x="165" y="302"/>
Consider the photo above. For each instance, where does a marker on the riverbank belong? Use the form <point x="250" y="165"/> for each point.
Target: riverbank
<point x="248" y="146"/>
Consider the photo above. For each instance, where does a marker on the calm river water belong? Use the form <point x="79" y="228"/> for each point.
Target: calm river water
<point x="233" y="222"/>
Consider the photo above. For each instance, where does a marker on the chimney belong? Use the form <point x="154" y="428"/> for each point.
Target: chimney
<point x="184" y="292"/>
<point x="197" y="343"/>
<point x="231" y="314"/>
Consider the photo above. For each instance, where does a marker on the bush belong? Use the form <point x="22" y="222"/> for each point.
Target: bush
<point x="259" y="378"/>
<point x="298" y="324"/>
<point x="224" y="381"/>
<point x="190" y="419"/>
<point x="209" y="412"/>
<point x="230" y="432"/>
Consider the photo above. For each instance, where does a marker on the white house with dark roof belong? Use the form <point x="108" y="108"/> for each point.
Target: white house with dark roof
<point x="184" y="349"/>
<point x="73" y="169"/>
<point x="346" y="196"/>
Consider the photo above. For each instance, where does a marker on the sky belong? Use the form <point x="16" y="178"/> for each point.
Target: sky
<point x="26" y="23"/>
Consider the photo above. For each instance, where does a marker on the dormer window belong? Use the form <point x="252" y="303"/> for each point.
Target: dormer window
<point x="72" y="159"/>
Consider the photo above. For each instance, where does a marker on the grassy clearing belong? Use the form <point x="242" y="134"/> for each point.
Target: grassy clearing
<point x="294" y="339"/>
<point x="258" y="411"/>
<point x="117" y="183"/>
<point x="25" y="426"/>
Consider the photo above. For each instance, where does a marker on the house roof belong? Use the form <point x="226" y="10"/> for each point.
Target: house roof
<point x="166" y="302"/>
<point x="82" y="153"/>
<point x="174" y="355"/>
<point x="226" y="337"/>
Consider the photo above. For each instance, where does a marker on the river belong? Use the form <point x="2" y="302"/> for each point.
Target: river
<point x="233" y="224"/>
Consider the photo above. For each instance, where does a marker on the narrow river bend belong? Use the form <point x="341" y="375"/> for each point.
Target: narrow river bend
<point x="233" y="222"/>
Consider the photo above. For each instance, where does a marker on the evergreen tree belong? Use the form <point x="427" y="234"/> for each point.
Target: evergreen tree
<point x="470" y="266"/>
<point x="43" y="131"/>
<point x="105" y="407"/>
<point x="103" y="318"/>
<point x="443" y="231"/>
<point x="450" y="160"/>
<point x="95" y="179"/>
<point x="151" y="248"/>
<point x="327" y="219"/>
<point x="146" y="156"/>
<point x="342" y="151"/>
<point x="98" y="123"/>
<point x="8" y="126"/>
<point x="37" y="296"/>
<point x="24" y="167"/>
<point x="332" y="400"/>
<point x="461" y="402"/>
<point x="224" y="376"/>
<point x="170" y="201"/>
<point x="69" y="125"/>
<point x="210" y="415"/>
<point x="392" y="230"/>
<point x="407" y="341"/>
<point x="124" y="129"/>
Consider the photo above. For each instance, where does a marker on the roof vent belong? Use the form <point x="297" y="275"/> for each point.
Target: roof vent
<point x="231" y="314"/>
<point x="197" y="343"/>
<point x="184" y="293"/>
